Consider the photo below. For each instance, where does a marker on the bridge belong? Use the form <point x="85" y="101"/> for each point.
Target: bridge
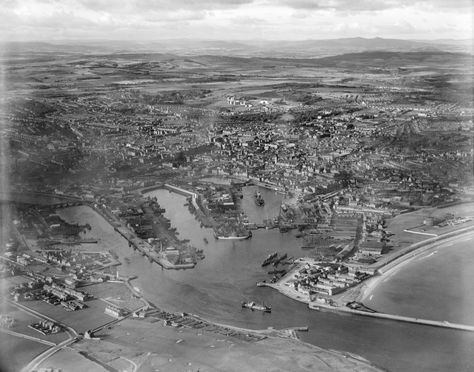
<point x="181" y="191"/>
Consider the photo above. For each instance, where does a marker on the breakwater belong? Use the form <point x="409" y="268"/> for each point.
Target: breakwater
<point x="400" y="318"/>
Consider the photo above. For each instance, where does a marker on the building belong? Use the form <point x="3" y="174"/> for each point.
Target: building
<point x="372" y="248"/>
<point x="328" y="289"/>
<point x="114" y="311"/>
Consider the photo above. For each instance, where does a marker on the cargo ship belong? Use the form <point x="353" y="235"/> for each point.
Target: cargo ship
<point x="254" y="306"/>
<point x="233" y="237"/>
<point x="269" y="259"/>
<point x="278" y="260"/>
<point x="233" y="232"/>
<point x="259" y="199"/>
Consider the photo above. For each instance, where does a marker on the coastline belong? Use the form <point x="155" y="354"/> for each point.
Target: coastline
<point x="363" y="290"/>
<point x="366" y="288"/>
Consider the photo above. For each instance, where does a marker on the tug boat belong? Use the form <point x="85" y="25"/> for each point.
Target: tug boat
<point x="254" y="306"/>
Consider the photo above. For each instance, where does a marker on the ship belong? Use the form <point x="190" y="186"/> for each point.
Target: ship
<point x="278" y="260"/>
<point x="259" y="199"/>
<point x="269" y="259"/>
<point x="233" y="237"/>
<point x="254" y="306"/>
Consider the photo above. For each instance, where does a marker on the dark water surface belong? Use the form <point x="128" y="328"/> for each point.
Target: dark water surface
<point x="218" y="284"/>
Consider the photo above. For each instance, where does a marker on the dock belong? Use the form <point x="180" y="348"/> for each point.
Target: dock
<point x="147" y="250"/>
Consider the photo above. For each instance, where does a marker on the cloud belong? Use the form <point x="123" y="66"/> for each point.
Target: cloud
<point x="140" y="6"/>
<point x="237" y="19"/>
<point x="369" y="5"/>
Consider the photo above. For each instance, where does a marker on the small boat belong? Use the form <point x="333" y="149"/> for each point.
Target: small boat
<point x="254" y="306"/>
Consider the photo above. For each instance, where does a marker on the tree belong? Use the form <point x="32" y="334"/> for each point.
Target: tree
<point x="344" y="178"/>
<point x="180" y="158"/>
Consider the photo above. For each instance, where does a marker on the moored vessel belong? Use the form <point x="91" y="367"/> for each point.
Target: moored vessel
<point x="254" y="306"/>
<point x="280" y="259"/>
<point x="269" y="259"/>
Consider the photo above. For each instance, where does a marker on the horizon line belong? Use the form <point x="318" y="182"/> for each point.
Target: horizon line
<point x="229" y="40"/>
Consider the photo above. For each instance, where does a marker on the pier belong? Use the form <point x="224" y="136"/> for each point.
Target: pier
<point x="181" y="191"/>
<point x="400" y="318"/>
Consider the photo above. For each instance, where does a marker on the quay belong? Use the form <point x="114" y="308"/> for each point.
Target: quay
<point x="194" y="201"/>
<point x="139" y="245"/>
<point x="147" y="250"/>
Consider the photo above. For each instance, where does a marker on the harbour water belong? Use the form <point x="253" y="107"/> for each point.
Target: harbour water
<point x="228" y="274"/>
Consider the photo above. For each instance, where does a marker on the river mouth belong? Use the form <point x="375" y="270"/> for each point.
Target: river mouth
<point x="228" y="274"/>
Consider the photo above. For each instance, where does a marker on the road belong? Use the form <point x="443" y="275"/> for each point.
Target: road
<point x="72" y="333"/>
<point x="33" y="365"/>
<point x="27" y="337"/>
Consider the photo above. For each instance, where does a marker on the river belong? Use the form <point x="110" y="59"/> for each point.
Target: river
<point x="227" y="276"/>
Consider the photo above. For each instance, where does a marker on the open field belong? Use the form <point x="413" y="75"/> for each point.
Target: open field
<point x="155" y="347"/>
<point x="23" y="320"/>
<point x="116" y="293"/>
<point x="71" y="361"/>
<point x="415" y="220"/>
<point x="16" y="352"/>
<point x="81" y="320"/>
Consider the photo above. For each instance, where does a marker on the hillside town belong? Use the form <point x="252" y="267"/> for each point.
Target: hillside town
<point x="341" y="175"/>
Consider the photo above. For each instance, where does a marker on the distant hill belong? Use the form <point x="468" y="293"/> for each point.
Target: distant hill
<point x="383" y="59"/>
<point x="279" y="49"/>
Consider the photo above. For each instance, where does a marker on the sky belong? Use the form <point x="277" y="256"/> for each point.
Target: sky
<point x="44" y="20"/>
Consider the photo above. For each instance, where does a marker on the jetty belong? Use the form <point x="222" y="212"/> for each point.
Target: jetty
<point x="400" y="318"/>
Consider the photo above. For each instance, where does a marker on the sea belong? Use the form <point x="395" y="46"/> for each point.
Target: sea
<point x="439" y="286"/>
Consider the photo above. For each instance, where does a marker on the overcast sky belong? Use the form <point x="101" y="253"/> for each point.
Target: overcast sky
<point x="234" y="19"/>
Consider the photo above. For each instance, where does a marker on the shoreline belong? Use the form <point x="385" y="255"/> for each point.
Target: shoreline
<point x="363" y="290"/>
<point x="366" y="288"/>
<point x="289" y="333"/>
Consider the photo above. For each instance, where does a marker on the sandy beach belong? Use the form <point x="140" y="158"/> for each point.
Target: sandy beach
<point x="367" y="288"/>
